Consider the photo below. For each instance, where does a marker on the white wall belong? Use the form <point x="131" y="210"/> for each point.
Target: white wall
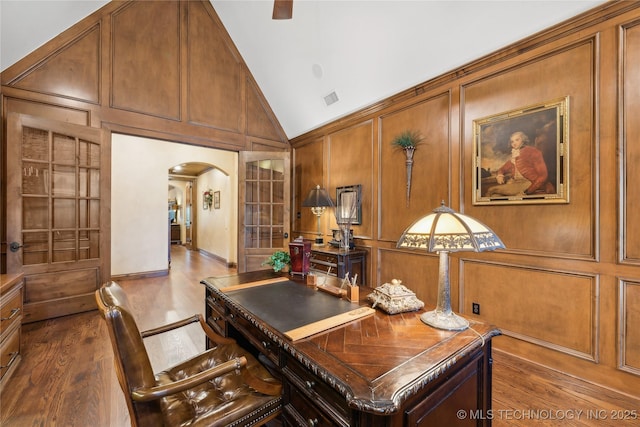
<point x="139" y="179"/>
<point x="216" y="228"/>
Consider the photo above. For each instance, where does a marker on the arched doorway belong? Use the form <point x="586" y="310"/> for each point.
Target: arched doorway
<point x="182" y="186"/>
<point x="140" y="169"/>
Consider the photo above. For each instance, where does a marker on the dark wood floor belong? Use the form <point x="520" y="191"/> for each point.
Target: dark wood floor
<point x="66" y="377"/>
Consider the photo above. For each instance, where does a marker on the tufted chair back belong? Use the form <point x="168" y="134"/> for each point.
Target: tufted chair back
<point x="223" y="386"/>
<point x="133" y="367"/>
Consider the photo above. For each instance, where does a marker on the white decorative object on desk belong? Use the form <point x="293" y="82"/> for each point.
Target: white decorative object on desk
<point x="394" y="298"/>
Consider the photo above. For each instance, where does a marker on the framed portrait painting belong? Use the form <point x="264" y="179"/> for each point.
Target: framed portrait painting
<point x="521" y="156"/>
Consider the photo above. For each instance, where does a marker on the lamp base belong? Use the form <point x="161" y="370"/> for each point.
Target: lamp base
<point x="442" y="320"/>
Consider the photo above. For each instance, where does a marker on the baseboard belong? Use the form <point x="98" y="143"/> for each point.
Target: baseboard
<point x="218" y="258"/>
<point x="141" y="275"/>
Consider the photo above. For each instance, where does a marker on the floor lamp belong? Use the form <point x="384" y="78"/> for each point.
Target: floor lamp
<point x="445" y="231"/>
<point x="318" y="200"/>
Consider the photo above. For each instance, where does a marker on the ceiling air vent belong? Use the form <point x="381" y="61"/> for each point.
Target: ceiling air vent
<point x="332" y="98"/>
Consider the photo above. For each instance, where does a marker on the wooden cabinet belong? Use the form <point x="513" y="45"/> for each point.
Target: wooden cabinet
<point x="338" y="262"/>
<point x="175" y="234"/>
<point x="10" y="324"/>
<point x="329" y="381"/>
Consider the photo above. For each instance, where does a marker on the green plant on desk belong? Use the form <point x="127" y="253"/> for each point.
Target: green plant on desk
<point x="279" y="261"/>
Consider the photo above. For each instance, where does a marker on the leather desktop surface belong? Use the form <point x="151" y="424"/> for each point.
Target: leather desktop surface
<point x="288" y="305"/>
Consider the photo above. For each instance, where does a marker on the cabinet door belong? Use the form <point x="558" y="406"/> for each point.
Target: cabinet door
<point x="468" y="390"/>
<point x="56" y="213"/>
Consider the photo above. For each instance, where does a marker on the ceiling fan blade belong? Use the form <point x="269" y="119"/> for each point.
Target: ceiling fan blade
<point x="282" y="9"/>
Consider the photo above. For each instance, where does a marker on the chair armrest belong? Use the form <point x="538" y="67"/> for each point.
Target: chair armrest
<point x="213" y="336"/>
<point x="170" y="326"/>
<point x="158" y="392"/>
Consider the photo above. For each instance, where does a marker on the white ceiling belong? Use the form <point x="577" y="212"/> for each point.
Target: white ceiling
<point x="364" y="50"/>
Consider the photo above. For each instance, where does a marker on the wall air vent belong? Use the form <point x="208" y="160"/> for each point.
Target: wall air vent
<point x="332" y="98"/>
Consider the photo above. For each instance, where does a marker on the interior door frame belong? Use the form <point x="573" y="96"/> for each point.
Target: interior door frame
<point x="57" y="287"/>
<point x="243" y="158"/>
<point x="194" y="215"/>
<point x="14" y="264"/>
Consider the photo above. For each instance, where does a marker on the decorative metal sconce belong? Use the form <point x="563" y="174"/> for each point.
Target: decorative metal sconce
<point x="207" y="199"/>
<point x="407" y="141"/>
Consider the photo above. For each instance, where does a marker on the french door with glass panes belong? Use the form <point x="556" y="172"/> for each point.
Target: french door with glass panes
<point x="264" y="212"/>
<point x="57" y="213"/>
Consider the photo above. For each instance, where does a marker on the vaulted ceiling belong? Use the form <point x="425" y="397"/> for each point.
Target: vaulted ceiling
<point x="359" y="51"/>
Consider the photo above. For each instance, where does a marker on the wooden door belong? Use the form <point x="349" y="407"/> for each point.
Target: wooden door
<point x="57" y="213"/>
<point x="264" y="208"/>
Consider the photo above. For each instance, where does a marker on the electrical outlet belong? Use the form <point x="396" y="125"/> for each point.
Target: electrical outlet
<point x="475" y="308"/>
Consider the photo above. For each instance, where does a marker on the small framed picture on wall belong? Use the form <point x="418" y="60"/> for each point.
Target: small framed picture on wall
<point x="216" y="200"/>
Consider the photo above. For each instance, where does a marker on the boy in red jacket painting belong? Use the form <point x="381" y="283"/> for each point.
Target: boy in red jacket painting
<point x="525" y="173"/>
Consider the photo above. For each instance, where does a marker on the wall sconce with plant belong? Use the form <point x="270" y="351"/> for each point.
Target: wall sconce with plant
<point x="207" y="199"/>
<point x="408" y="141"/>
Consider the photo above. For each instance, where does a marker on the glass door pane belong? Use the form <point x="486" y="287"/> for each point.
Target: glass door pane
<point x="60" y="197"/>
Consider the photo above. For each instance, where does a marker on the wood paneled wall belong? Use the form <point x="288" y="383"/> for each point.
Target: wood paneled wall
<point x="185" y="83"/>
<point x="160" y="69"/>
<point x="566" y="291"/>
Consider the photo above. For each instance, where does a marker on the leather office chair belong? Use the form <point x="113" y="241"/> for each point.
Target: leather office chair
<point x="223" y="386"/>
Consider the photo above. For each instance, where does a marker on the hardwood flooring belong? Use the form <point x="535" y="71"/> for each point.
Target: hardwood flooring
<point x="66" y="376"/>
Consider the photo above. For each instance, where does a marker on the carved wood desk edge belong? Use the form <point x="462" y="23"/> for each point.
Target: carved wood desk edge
<point x="359" y="392"/>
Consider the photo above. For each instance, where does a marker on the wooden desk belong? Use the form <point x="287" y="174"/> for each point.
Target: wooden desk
<point x="380" y="370"/>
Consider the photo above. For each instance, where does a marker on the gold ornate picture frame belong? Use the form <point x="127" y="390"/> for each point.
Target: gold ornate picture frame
<point x="522" y="156"/>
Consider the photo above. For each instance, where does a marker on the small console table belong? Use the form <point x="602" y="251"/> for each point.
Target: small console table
<point x="374" y="370"/>
<point x="175" y="234"/>
<point x="337" y="262"/>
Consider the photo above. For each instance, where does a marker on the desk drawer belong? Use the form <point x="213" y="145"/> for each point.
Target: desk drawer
<point x="299" y="410"/>
<point x="10" y="352"/>
<point x="10" y="310"/>
<point x="324" y="258"/>
<point x="215" y="315"/>
<point x="215" y="303"/>
<point x="325" y="396"/>
<point x="257" y="338"/>
<point x="325" y="263"/>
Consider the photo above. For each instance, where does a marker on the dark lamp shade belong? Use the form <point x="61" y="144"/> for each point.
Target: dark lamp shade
<point x="447" y="230"/>
<point x="318" y="197"/>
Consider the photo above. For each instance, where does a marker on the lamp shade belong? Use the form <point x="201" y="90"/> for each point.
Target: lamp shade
<point x="318" y="197"/>
<point x="447" y="230"/>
